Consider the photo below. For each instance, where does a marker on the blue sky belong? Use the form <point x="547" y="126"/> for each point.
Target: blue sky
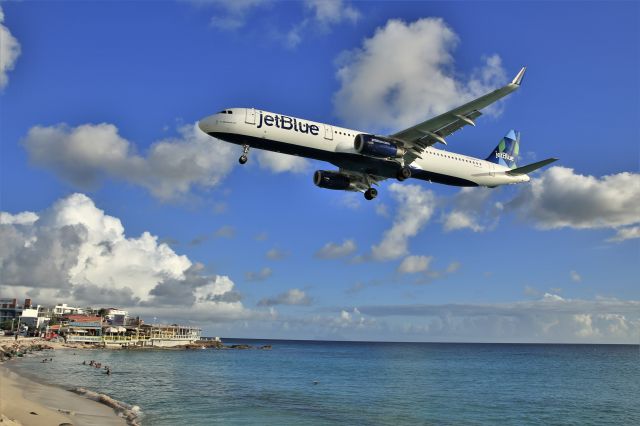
<point x="100" y="99"/>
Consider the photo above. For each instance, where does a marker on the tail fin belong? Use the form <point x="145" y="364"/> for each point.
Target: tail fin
<point x="506" y="153"/>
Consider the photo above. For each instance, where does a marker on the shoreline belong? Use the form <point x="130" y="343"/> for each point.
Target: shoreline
<point x="24" y="401"/>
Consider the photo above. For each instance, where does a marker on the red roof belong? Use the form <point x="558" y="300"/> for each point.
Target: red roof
<point x="82" y="318"/>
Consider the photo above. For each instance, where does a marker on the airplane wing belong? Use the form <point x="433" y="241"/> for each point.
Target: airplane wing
<point x="415" y="139"/>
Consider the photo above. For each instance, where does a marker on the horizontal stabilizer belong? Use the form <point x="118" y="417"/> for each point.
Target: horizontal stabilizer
<point x="525" y="170"/>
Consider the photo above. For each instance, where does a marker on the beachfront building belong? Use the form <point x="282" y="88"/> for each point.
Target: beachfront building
<point x="83" y="329"/>
<point x="34" y="318"/>
<point x="115" y="316"/>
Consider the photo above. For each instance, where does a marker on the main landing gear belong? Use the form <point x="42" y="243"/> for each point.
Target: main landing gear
<point x="243" y="158"/>
<point x="370" y="193"/>
<point x="404" y="173"/>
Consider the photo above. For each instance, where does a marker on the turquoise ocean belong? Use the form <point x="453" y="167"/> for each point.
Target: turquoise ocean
<point x="361" y="383"/>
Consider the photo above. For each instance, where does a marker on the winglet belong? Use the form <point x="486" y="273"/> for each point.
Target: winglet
<point x="518" y="78"/>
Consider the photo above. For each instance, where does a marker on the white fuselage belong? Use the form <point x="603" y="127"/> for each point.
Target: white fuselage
<point x="281" y="133"/>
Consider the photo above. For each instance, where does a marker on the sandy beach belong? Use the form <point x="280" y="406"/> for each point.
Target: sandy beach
<point x="25" y="402"/>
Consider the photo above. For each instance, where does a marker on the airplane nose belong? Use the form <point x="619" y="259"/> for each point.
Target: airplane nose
<point x="206" y="124"/>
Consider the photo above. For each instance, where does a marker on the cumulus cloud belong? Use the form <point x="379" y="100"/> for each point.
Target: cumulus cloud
<point x="9" y="51"/>
<point x="86" y="154"/>
<point x="414" y="264"/>
<point x="415" y="207"/>
<point x="561" y="198"/>
<point x="279" y="163"/>
<point x="404" y="74"/>
<point x="333" y="251"/>
<point x="472" y="209"/>
<point x="292" y="297"/>
<point x="261" y="275"/>
<point x="73" y="250"/>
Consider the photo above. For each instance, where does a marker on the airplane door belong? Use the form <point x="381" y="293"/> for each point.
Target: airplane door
<point x="328" y="132"/>
<point x="251" y="116"/>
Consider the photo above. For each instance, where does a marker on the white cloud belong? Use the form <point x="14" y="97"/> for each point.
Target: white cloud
<point x="333" y="251"/>
<point x="276" y="254"/>
<point x="324" y="15"/>
<point x="415" y="207"/>
<point x="330" y="12"/>
<point x="461" y="220"/>
<point x="404" y="74"/>
<point x="472" y="209"/>
<point x="9" y="51"/>
<point x="261" y="275"/>
<point x="75" y="252"/>
<point x="561" y="198"/>
<point x="279" y="163"/>
<point x="88" y="153"/>
<point x="414" y="264"/>
<point x="232" y="14"/>
<point x="624" y="234"/>
<point x="292" y="297"/>
<point x="575" y="277"/>
<point x="24" y="218"/>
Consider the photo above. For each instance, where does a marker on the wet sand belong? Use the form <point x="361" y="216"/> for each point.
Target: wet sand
<point x="20" y="398"/>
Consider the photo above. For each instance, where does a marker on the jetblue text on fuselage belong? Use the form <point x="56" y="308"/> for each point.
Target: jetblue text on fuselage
<point x="287" y="123"/>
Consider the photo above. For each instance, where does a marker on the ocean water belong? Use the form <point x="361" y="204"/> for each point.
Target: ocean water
<point x="363" y="383"/>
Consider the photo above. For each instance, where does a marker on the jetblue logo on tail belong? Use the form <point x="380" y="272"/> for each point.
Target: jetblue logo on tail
<point x="505" y="156"/>
<point x="506" y="153"/>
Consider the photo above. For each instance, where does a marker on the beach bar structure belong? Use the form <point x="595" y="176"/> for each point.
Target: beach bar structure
<point x="151" y="335"/>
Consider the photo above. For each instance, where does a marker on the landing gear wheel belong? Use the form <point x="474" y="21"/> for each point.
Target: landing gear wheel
<point x="370" y="193"/>
<point x="243" y="158"/>
<point x="404" y="173"/>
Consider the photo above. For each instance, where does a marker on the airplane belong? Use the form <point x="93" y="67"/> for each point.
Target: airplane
<point x="365" y="159"/>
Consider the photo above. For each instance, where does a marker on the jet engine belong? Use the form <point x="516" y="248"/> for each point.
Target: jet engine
<point x="375" y="146"/>
<point x="332" y="180"/>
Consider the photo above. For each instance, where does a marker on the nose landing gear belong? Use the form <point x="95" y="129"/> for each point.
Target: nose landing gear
<point x="244" y="158"/>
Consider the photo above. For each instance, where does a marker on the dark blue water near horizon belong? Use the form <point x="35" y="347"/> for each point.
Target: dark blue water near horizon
<point x="364" y="383"/>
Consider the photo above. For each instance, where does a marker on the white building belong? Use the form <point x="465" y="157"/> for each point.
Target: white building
<point x="33" y="318"/>
<point x="63" y="309"/>
<point x="116" y="316"/>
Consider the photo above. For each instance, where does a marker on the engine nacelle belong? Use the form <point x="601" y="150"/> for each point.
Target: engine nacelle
<point x="332" y="180"/>
<point x="376" y="147"/>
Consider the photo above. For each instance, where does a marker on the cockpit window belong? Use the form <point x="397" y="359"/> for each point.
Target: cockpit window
<point x="226" y="111"/>
<point x="222" y="112"/>
<point x="229" y="112"/>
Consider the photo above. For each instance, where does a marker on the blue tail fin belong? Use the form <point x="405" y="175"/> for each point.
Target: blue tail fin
<point x="506" y="153"/>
